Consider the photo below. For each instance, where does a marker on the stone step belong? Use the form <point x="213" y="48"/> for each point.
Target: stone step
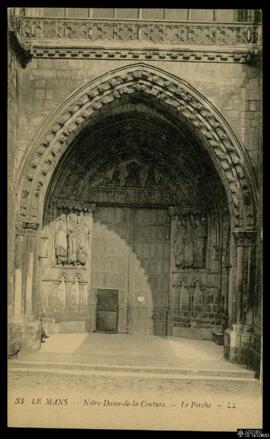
<point x="234" y="374"/>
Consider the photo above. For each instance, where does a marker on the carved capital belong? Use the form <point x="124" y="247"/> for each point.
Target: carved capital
<point x="26" y="228"/>
<point x="245" y="238"/>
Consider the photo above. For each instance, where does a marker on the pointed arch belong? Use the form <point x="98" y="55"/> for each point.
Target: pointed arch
<point x="179" y="97"/>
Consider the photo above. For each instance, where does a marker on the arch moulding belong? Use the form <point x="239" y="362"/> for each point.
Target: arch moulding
<point x="181" y="100"/>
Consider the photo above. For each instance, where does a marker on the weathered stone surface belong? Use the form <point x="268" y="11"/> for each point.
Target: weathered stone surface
<point x="213" y="102"/>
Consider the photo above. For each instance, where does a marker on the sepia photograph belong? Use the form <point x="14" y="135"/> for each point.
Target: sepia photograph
<point x="135" y="261"/>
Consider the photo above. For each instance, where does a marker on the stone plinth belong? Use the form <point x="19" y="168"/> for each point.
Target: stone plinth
<point x="194" y="333"/>
<point x="236" y="343"/>
<point x="32" y="336"/>
<point x="49" y="326"/>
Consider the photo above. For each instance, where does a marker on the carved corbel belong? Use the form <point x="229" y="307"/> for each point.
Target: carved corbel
<point x="23" y="55"/>
<point x="254" y="58"/>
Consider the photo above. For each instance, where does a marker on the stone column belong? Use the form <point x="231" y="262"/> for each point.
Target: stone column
<point x="43" y="262"/>
<point x="172" y="295"/>
<point x="29" y="277"/>
<point x="91" y="300"/>
<point x="245" y="276"/>
<point x="22" y="329"/>
<point x="173" y="310"/>
<point x="18" y="274"/>
<point x="238" y="338"/>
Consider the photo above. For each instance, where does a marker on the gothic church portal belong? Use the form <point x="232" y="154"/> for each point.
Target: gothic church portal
<point x="137" y="210"/>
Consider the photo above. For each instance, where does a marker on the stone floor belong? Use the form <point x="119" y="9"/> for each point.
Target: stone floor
<point x="123" y="349"/>
<point x="127" y="382"/>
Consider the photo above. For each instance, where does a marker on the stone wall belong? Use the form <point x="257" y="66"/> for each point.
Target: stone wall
<point x="12" y="143"/>
<point x="235" y="89"/>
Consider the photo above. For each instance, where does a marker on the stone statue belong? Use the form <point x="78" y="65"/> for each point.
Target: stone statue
<point x="60" y="242"/>
<point x="189" y="243"/>
<point x="183" y="297"/>
<point x="133" y="179"/>
<point x="179" y="242"/>
<point x="82" y="239"/>
<point x="151" y="178"/>
<point x="116" y="177"/>
<point x="61" y="292"/>
<point x="199" y="242"/>
<point x="160" y="181"/>
<point x="71" y="235"/>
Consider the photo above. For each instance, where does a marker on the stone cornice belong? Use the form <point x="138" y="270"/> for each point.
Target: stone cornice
<point x="187" y="54"/>
<point x="137" y="39"/>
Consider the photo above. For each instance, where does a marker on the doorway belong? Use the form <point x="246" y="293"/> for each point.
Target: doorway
<point x="131" y="254"/>
<point x="107" y="311"/>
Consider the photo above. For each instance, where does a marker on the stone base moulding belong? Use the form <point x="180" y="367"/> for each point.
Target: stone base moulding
<point x="24" y="336"/>
<point x="236" y="342"/>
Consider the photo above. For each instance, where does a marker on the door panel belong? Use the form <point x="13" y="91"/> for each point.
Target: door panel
<point x="110" y="257"/>
<point x="131" y="253"/>
<point x="151" y="245"/>
<point x="107" y="311"/>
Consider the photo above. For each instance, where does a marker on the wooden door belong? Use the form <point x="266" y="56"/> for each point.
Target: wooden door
<point x="131" y="254"/>
<point x="107" y="311"/>
<point x="151" y="267"/>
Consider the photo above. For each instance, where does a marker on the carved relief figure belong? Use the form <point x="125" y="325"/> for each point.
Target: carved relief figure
<point x="116" y="177"/>
<point x="74" y="293"/>
<point x="133" y="178"/>
<point x="179" y="242"/>
<point x="83" y="296"/>
<point x="82" y="239"/>
<point x="189" y="242"/>
<point x="61" y="240"/>
<point x="71" y="237"/>
<point x="160" y="181"/>
<point x="197" y="297"/>
<point x="199" y="242"/>
<point x="151" y="178"/>
<point x="183" y="297"/>
<point x="61" y="292"/>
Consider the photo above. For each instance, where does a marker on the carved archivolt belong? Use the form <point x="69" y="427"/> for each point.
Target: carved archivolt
<point x="179" y="98"/>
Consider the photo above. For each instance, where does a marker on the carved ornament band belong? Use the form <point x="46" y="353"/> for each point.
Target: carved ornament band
<point x="89" y="39"/>
<point x="132" y="30"/>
